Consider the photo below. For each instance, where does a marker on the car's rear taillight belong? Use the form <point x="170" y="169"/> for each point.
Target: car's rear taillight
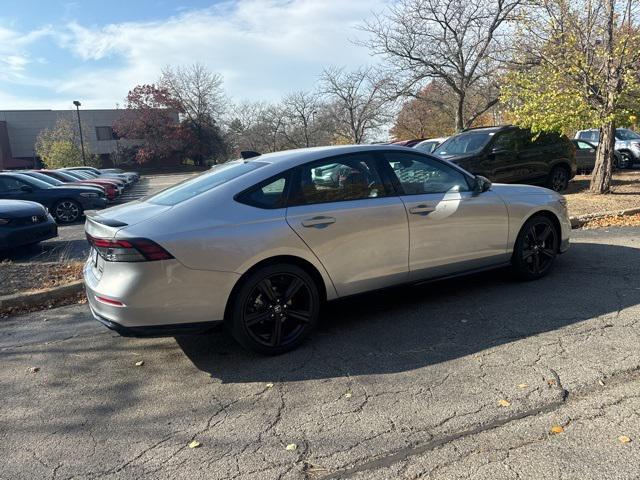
<point x="130" y="250"/>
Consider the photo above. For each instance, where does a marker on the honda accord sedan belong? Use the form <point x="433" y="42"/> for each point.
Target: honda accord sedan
<point x="260" y="244"/>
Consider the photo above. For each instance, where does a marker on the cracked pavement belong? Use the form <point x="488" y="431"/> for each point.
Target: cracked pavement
<point x="400" y="384"/>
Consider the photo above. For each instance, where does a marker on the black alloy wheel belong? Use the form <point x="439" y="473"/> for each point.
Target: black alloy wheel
<point x="276" y="308"/>
<point x="67" y="211"/>
<point x="558" y="179"/>
<point x="536" y="248"/>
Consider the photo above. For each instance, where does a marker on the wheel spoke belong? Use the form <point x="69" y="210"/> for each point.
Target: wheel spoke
<point x="536" y="263"/>
<point x="295" y="285"/>
<point x="276" y="333"/>
<point x="545" y="233"/>
<point x="256" y="317"/>
<point x="301" y="315"/>
<point x="526" y="254"/>
<point x="548" y="252"/>
<point x="533" y="234"/>
<point x="266" y="288"/>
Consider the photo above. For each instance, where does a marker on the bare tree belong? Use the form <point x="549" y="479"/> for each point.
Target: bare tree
<point x="460" y="42"/>
<point x="356" y="100"/>
<point x="300" y="109"/>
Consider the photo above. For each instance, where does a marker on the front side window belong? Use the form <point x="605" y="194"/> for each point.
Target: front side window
<point x="193" y="187"/>
<point x="584" y="146"/>
<point x="270" y="194"/>
<point x="625" y="134"/>
<point x="421" y="175"/>
<point x="9" y="184"/>
<point x="352" y="177"/>
<point x="590" y="135"/>
<point x="507" y="141"/>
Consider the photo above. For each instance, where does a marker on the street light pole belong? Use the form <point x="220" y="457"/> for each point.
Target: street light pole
<point x="77" y="104"/>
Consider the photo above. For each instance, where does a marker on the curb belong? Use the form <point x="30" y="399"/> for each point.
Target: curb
<point x="31" y="299"/>
<point x="577" y="222"/>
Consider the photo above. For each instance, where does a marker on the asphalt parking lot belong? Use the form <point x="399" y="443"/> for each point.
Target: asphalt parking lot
<point x="71" y="243"/>
<point x="458" y="379"/>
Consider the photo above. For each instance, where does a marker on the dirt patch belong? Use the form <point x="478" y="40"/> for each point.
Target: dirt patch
<point x="20" y="277"/>
<point x="625" y="194"/>
<point x="613" y="221"/>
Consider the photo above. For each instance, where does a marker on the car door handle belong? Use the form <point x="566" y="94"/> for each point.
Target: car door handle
<point x="318" y="222"/>
<point x="421" y="210"/>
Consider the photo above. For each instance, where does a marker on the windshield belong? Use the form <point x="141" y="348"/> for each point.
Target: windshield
<point x="44" y="178"/>
<point x="471" y="142"/>
<point x="193" y="187"/>
<point x="428" y="146"/>
<point x="624" y="134"/>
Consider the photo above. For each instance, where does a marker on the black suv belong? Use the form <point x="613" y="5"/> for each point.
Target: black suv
<point x="511" y="154"/>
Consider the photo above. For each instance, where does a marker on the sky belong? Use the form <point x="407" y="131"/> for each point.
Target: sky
<point x="53" y="52"/>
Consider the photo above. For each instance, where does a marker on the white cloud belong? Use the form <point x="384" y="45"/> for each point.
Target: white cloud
<point x="263" y="48"/>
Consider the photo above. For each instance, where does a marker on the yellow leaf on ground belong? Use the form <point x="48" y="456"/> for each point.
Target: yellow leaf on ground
<point x="557" y="429"/>
<point x="624" y="439"/>
<point x="269" y="385"/>
<point x="504" y="403"/>
<point x="291" y="447"/>
<point x="523" y="385"/>
<point x="348" y="395"/>
<point x="140" y="363"/>
<point x="194" y="444"/>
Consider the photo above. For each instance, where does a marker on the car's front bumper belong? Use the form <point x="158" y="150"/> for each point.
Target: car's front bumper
<point x="161" y="296"/>
<point x="11" y="237"/>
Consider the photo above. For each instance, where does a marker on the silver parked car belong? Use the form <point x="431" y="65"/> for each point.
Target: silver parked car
<point x="261" y="243"/>
<point x="627" y="145"/>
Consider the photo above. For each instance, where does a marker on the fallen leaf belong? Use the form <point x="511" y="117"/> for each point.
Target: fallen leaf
<point x="140" y="363"/>
<point x="194" y="444"/>
<point x="291" y="447"/>
<point x="551" y="382"/>
<point x="557" y="429"/>
<point x="504" y="403"/>
<point x="523" y="385"/>
<point x="601" y="383"/>
<point x="269" y="385"/>
<point x="34" y="369"/>
<point x="348" y="394"/>
<point x="624" y="439"/>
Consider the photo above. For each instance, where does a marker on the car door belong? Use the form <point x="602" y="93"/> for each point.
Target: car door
<point x="503" y="159"/>
<point x="14" y="189"/>
<point x="585" y="155"/>
<point x="352" y="222"/>
<point x="452" y="229"/>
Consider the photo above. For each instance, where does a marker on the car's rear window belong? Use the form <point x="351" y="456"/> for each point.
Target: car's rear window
<point x="193" y="187"/>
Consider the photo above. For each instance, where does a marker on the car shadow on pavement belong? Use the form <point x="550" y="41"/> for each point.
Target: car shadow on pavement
<point x="407" y="328"/>
<point x="58" y="251"/>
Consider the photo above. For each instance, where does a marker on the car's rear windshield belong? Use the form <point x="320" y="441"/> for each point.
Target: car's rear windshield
<point x="193" y="187"/>
<point x="471" y="142"/>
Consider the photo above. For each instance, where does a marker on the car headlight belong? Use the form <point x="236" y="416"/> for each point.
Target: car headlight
<point x="4" y="221"/>
<point x="89" y="195"/>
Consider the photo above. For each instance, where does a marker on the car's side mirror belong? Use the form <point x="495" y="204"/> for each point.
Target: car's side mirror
<point x="26" y="188"/>
<point x="499" y="150"/>
<point x="482" y="184"/>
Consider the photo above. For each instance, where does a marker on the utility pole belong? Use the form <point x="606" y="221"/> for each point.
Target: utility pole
<point x="77" y="104"/>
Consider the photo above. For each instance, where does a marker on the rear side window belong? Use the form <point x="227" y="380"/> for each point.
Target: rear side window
<point x="269" y="195"/>
<point x="193" y="187"/>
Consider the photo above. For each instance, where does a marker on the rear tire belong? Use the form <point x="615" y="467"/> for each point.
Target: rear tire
<point x="536" y="248"/>
<point x="66" y="211"/>
<point x="275" y="309"/>
<point x="558" y="179"/>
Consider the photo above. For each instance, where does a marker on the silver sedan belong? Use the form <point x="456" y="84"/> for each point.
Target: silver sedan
<point x="260" y="244"/>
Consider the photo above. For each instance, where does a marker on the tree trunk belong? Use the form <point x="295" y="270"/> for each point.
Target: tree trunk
<point x="460" y="112"/>
<point x="601" y="176"/>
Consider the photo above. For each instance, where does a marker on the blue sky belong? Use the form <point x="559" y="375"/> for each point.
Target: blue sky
<point x="53" y="52"/>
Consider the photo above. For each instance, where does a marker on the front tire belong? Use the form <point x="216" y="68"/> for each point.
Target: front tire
<point x="558" y="179"/>
<point x="275" y="309"/>
<point x="67" y="211"/>
<point x="536" y="248"/>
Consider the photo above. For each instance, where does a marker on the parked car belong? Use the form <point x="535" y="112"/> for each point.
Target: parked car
<point x="261" y="245"/>
<point x="408" y="143"/>
<point x="509" y="154"/>
<point x="110" y="193"/>
<point x="24" y="223"/>
<point x="66" y="204"/>
<point x="627" y="143"/>
<point x="586" y="156"/>
<point x="429" y="145"/>
<point x="95" y="173"/>
<point x="135" y="175"/>
<point x="68" y="177"/>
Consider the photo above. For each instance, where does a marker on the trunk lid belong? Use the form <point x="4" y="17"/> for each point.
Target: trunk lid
<point x="107" y="223"/>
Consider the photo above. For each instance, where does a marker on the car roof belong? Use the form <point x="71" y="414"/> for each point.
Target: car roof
<point x="299" y="156"/>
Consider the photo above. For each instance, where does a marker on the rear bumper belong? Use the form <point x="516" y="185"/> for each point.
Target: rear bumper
<point x="157" y="330"/>
<point x="159" y="296"/>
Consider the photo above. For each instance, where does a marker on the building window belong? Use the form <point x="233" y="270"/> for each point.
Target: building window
<point x="106" y="133"/>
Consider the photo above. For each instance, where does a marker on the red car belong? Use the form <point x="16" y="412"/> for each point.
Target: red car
<point x="112" y="187"/>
